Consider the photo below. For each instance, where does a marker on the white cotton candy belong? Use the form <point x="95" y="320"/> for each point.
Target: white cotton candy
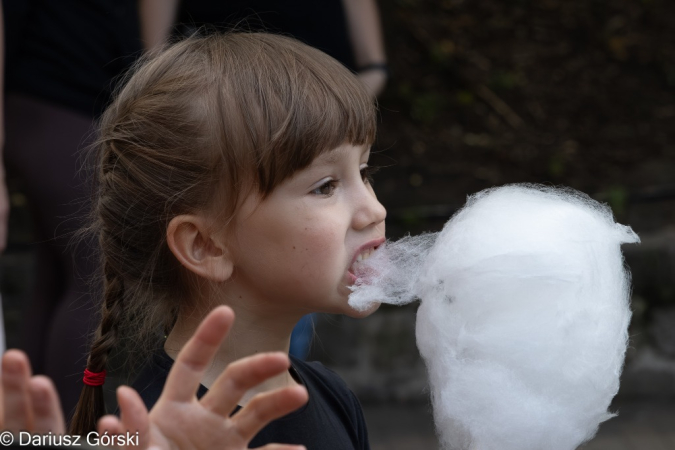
<point x="391" y="272"/>
<point x="523" y="317"/>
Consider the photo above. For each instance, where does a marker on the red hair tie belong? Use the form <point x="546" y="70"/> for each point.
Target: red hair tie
<point x="93" y="378"/>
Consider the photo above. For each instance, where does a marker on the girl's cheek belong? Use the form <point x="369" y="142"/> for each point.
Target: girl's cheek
<point x="327" y="243"/>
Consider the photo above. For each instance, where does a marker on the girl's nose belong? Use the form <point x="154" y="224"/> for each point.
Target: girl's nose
<point x="369" y="210"/>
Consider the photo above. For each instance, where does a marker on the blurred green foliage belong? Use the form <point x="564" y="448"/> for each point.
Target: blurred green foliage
<point x="465" y="97"/>
<point x="504" y="80"/>
<point x="426" y="107"/>
<point x="617" y="197"/>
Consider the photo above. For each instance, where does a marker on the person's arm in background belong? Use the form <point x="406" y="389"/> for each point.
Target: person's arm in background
<point x="365" y="33"/>
<point x="4" y="196"/>
<point x="157" y="18"/>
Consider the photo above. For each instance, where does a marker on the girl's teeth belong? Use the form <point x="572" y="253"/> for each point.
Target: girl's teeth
<point x="365" y="255"/>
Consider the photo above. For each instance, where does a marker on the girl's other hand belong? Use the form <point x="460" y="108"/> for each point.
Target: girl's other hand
<point x="29" y="403"/>
<point x="179" y="420"/>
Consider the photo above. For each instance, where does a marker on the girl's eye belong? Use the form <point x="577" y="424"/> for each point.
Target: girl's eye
<point x="326" y="189"/>
<point x="367" y="173"/>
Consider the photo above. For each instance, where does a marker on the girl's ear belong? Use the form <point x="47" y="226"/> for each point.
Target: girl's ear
<point x="190" y="240"/>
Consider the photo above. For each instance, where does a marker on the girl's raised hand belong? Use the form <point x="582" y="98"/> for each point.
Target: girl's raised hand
<point x="28" y="403"/>
<point x="179" y="420"/>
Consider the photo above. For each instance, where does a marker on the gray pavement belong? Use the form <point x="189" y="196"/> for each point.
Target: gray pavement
<point x="641" y="425"/>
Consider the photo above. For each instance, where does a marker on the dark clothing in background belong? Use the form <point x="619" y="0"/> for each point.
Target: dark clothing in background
<point x="16" y="11"/>
<point x="331" y="420"/>
<point x="64" y="58"/>
<point x="319" y="23"/>
<point x="42" y="150"/>
<point x="69" y="52"/>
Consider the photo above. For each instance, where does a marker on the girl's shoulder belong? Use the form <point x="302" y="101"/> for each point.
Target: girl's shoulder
<point x="323" y="383"/>
<point x="315" y="376"/>
<point x="317" y="371"/>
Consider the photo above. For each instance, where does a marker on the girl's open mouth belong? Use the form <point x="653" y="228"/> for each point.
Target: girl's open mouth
<point x="356" y="270"/>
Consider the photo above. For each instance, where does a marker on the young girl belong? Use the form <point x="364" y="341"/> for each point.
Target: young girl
<point x="234" y="170"/>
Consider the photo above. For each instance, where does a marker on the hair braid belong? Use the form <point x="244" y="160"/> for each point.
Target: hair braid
<point x="91" y="406"/>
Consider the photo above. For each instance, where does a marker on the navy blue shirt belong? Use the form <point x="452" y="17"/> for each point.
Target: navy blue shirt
<point x="331" y="420"/>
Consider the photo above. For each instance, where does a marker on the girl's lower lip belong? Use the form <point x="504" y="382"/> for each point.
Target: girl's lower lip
<point x="351" y="278"/>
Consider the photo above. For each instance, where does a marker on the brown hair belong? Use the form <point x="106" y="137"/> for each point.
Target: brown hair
<point x="206" y="120"/>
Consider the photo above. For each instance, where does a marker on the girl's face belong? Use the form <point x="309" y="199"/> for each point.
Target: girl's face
<point x="293" y="251"/>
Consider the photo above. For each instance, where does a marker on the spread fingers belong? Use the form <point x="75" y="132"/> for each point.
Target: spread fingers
<point x="192" y="361"/>
<point x="239" y="377"/>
